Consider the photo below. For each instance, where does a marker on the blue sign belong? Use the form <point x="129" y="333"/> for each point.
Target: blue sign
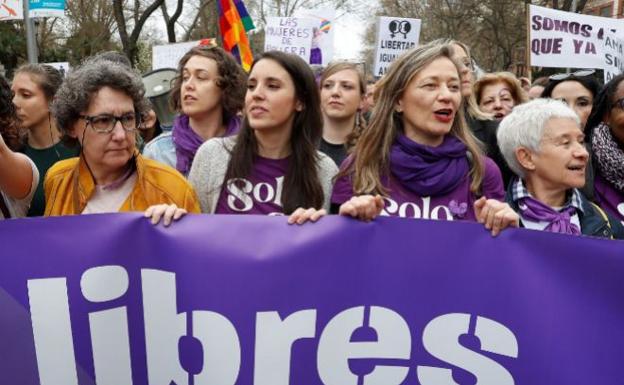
<point x="46" y="8"/>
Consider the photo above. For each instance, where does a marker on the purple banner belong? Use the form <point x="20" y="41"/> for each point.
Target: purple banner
<point x="111" y="299"/>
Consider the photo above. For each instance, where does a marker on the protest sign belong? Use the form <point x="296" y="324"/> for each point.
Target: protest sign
<point x="322" y="49"/>
<point x="291" y="35"/>
<point x="11" y="10"/>
<point x="112" y="299"/>
<point x="395" y="35"/>
<point x="564" y="39"/>
<point x="46" y="8"/>
<point x="169" y="55"/>
<point x="613" y="56"/>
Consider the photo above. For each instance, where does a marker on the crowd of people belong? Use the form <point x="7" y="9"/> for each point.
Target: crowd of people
<point x="430" y="140"/>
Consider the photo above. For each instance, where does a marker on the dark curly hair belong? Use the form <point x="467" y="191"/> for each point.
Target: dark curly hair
<point x="232" y="80"/>
<point x="80" y="85"/>
<point x="8" y="118"/>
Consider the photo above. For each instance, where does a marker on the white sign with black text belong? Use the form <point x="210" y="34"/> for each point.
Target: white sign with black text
<point x="395" y="35"/>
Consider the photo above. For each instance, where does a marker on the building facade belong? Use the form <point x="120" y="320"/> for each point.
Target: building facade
<point x="605" y="8"/>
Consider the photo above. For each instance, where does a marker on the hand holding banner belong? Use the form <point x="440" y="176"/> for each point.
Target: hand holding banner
<point x="250" y="300"/>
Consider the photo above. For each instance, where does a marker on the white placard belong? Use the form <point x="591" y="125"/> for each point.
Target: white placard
<point x="291" y="35"/>
<point x="322" y="51"/>
<point x="395" y="35"/>
<point x="613" y="56"/>
<point x="169" y="55"/>
<point x="62" y="66"/>
<point x="11" y="10"/>
<point x="565" y="39"/>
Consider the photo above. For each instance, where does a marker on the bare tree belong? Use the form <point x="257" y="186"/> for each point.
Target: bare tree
<point x="136" y="13"/>
<point x="171" y="20"/>
<point x="88" y="28"/>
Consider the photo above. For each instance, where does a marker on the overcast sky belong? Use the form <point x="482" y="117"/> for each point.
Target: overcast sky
<point x="349" y="36"/>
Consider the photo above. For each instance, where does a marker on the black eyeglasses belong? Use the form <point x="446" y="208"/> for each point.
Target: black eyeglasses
<point x="105" y="123"/>
<point x="577" y="74"/>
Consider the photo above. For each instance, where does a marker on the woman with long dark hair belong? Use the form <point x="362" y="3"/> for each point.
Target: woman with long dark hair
<point x="577" y="89"/>
<point x="604" y="133"/>
<point x="272" y="166"/>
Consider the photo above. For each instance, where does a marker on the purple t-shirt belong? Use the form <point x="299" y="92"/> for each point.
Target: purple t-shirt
<point x="456" y="205"/>
<point x="260" y="193"/>
<point x="608" y="197"/>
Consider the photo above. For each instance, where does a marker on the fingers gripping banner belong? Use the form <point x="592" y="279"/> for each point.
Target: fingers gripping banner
<point x="111" y="299"/>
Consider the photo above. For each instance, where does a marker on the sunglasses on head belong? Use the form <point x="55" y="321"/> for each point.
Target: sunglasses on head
<point x="577" y="74"/>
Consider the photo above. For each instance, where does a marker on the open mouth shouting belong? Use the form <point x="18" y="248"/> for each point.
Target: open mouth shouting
<point x="444" y="115"/>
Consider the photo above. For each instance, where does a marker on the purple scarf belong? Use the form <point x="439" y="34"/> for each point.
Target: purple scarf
<point x="187" y="142"/>
<point x="558" y="221"/>
<point x="429" y="171"/>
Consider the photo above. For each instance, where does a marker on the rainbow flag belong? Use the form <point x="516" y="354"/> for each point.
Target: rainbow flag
<point x="234" y="22"/>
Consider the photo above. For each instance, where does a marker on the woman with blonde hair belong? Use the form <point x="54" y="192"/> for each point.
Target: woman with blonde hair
<point x="418" y="151"/>
<point x="498" y="93"/>
<point x="342" y="92"/>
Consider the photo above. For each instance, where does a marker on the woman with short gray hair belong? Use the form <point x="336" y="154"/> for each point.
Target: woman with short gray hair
<point x="543" y="144"/>
<point x="100" y="106"/>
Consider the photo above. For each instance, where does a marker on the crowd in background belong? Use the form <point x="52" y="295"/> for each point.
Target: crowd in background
<point x="428" y="140"/>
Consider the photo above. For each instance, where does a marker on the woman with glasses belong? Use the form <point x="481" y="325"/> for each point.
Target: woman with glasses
<point x="498" y="93"/>
<point x="605" y="139"/>
<point x="18" y="174"/>
<point x="99" y="106"/>
<point x="577" y="90"/>
<point x="418" y="153"/>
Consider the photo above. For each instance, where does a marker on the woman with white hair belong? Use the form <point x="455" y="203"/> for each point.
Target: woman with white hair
<point x="543" y="143"/>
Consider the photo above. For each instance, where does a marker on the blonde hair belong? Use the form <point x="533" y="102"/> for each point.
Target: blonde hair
<point x="470" y="103"/>
<point x="360" y="122"/>
<point x="517" y="92"/>
<point x="373" y="148"/>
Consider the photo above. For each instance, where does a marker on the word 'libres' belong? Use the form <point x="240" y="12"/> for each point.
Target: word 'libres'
<point x="274" y="339"/>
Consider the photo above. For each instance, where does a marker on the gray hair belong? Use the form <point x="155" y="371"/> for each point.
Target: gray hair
<point x="80" y="85"/>
<point x="524" y="127"/>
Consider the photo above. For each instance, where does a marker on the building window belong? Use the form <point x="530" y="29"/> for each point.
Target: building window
<point x="606" y="11"/>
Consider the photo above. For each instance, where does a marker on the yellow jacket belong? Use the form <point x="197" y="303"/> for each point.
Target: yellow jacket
<point x="69" y="185"/>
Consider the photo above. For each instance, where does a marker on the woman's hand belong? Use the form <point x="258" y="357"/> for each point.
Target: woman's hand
<point x="495" y="215"/>
<point x="301" y="215"/>
<point x="168" y="213"/>
<point x="363" y="207"/>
